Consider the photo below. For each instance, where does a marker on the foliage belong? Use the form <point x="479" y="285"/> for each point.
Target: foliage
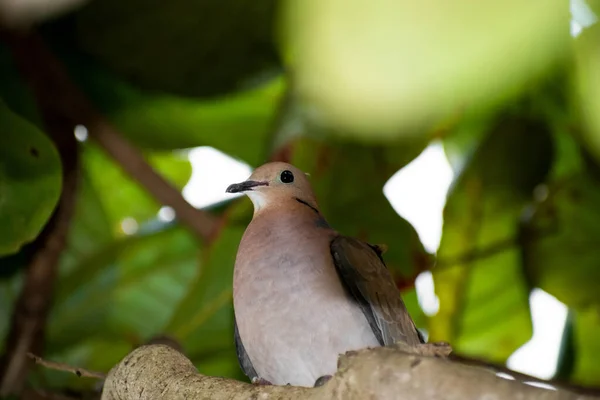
<point x="511" y="96"/>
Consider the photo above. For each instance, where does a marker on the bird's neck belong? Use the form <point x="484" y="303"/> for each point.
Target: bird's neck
<point x="291" y="211"/>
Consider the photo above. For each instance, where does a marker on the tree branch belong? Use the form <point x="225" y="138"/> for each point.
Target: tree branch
<point x="54" y="88"/>
<point x="80" y="372"/>
<point x="159" y="372"/>
<point x="33" y="304"/>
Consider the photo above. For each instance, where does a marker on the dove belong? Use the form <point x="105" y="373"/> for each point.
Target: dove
<point x="303" y="293"/>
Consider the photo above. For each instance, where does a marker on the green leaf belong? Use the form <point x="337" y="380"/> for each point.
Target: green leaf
<point x="587" y="85"/>
<point x="123" y="197"/>
<point x="156" y="272"/>
<point x="121" y="293"/>
<point x="484" y="308"/>
<point x="237" y="124"/>
<point x="203" y="321"/>
<point x="30" y="180"/>
<point x="560" y="252"/>
<point x="191" y="48"/>
<point x="586" y="327"/>
<point x="74" y="316"/>
<point x="390" y="66"/>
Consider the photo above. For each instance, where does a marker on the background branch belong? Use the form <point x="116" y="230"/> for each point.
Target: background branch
<point x="31" y="310"/>
<point x="80" y="372"/>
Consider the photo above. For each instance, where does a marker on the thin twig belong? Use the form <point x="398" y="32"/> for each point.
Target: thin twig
<point x="80" y="372"/>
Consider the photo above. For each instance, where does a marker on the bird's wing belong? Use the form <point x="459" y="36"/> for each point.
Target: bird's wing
<point x="242" y="356"/>
<point x="366" y="277"/>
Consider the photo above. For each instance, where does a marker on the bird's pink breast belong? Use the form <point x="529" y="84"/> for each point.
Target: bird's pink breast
<point x="293" y="314"/>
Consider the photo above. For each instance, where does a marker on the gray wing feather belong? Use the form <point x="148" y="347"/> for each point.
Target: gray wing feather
<point x="242" y="356"/>
<point x="365" y="276"/>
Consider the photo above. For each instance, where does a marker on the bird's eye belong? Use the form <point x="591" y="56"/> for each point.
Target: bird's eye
<point x="287" y="176"/>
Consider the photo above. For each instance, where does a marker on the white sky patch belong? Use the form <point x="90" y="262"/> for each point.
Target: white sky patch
<point x="582" y="16"/>
<point x="81" y="133"/>
<point x="166" y="214"/>
<point x="504" y="375"/>
<point x="418" y="193"/>
<point x="539" y="356"/>
<point x="212" y="172"/>
<point x="129" y="226"/>
<point x="428" y="300"/>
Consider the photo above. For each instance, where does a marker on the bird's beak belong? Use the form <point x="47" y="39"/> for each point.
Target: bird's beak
<point x="245" y="186"/>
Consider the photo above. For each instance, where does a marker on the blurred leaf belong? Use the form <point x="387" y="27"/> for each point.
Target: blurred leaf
<point x="30" y="178"/>
<point x="586" y="332"/>
<point x="13" y="91"/>
<point x="389" y="66"/>
<point x="191" y="48"/>
<point x="203" y="321"/>
<point x="122" y="293"/>
<point x="155" y="274"/>
<point x="561" y="232"/>
<point x="587" y="86"/>
<point x="484" y="306"/>
<point x="123" y="197"/>
<point x="74" y="316"/>
<point x="348" y="180"/>
<point x="236" y="124"/>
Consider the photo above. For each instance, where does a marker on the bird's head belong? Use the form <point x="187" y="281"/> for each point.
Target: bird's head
<point x="275" y="183"/>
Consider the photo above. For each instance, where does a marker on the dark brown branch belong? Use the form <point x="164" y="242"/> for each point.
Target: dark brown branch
<point x="54" y="88"/>
<point x="80" y="372"/>
<point x="132" y="162"/>
<point x="28" y="321"/>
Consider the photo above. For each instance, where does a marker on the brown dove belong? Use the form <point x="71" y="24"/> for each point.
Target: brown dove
<point x="302" y="293"/>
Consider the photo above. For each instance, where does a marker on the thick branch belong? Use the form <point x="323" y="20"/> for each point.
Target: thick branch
<point x="54" y="88"/>
<point x="161" y="373"/>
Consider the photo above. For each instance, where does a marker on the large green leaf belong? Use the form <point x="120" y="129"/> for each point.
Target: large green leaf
<point x="123" y="197"/>
<point x="484" y="307"/>
<point x="30" y="180"/>
<point x="560" y="240"/>
<point x="73" y="316"/>
<point x="122" y="292"/>
<point x="203" y="321"/>
<point x="186" y="47"/>
<point x="236" y="124"/>
<point x="587" y="85"/>
<point x="377" y="68"/>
